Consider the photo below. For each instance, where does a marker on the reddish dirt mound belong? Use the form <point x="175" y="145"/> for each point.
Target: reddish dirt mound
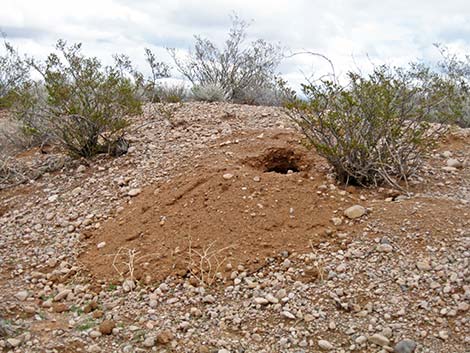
<point x="246" y="201"/>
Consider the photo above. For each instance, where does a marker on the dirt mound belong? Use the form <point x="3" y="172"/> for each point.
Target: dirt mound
<point x="247" y="201"/>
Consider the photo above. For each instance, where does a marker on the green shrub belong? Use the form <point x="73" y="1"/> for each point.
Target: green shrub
<point x="237" y="68"/>
<point x="14" y="75"/>
<point x="456" y="71"/>
<point x="375" y="128"/>
<point x="80" y="103"/>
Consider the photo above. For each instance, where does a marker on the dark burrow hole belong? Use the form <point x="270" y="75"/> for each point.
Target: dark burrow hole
<point x="281" y="161"/>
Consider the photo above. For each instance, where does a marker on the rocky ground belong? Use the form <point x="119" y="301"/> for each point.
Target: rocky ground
<point x="201" y="240"/>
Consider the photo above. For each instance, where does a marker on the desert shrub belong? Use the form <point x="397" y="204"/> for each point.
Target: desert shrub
<point x="238" y="68"/>
<point x="374" y="129"/>
<point x="208" y="93"/>
<point x="79" y="102"/>
<point x="169" y="93"/>
<point x="14" y="75"/>
<point x="456" y="71"/>
<point x="154" y="91"/>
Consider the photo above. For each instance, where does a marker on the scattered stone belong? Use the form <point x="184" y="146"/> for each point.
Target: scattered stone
<point x="60" y="307"/>
<point x="227" y="176"/>
<point x="22" y="295"/>
<point x="106" y="327"/>
<point x="62" y="295"/>
<point x="454" y="163"/>
<point x="325" y="345"/>
<point x="14" y="342"/>
<point x="149" y="342"/>
<point x="379" y="340"/>
<point x="134" y="192"/>
<point x="423" y="265"/>
<point x="128" y="285"/>
<point x="355" y="211"/>
<point x="405" y="346"/>
<point x="164" y="337"/>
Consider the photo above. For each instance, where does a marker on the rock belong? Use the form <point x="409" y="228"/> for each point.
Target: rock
<point x="149" y="342"/>
<point x="165" y="336"/>
<point x="101" y="245"/>
<point x="62" y="295"/>
<point x="94" y="334"/>
<point x="94" y="348"/>
<point x="288" y="315"/>
<point x="14" y="342"/>
<point x="272" y="299"/>
<point x="325" y="345"/>
<point x="379" y="340"/>
<point x="128" y="285"/>
<point x="355" y="211"/>
<point x="257" y="179"/>
<point x="454" y="163"/>
<point x="227" y="176"/>
<point x="106" y="327"/>
<point x="134" y="192"/>
<point x="361" y="340"/>
<point x="208" y="299"/>
<point x="336" y="221"/>
<point x="423" y="265"/>
<point x="405" y="346"/>
<point x="81" y="168"/>
<point x="22" y="295"/>
<point x="261" y="301"/>
<point x="384" y="248"/>
<point x="60" y="307"/>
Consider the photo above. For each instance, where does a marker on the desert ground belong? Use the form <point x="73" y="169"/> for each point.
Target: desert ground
<point x="220" y="231"/>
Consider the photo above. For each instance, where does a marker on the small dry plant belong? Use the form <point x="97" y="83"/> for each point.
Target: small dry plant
<point x="125" y="262"/>
<point x="204" y="265"/>
<point x="318" y="263"/>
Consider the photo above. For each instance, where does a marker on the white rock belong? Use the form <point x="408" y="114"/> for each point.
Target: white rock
<point x="379" y="340"/>
<point x="101" y="245"/>
<point x="261" y="301"/>
<point x="134" y="192"/>
<point x="227" y="176"/>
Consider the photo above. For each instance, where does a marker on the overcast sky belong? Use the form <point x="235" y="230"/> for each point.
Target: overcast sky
<point x="351" y="33"/>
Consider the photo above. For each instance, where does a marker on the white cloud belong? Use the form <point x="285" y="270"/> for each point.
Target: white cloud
<point x="349" y="32"/>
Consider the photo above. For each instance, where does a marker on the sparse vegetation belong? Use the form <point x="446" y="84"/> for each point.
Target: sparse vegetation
<point x="14" y="75"/>
<point x="240" y="70"/>
<point x="374" y="129"/>
<point x="208" y="93"/>
<point x="79" y="102"/>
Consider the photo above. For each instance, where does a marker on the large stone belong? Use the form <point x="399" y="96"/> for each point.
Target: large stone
<point x="355" y="211"/>
<point x="405" y="346"/>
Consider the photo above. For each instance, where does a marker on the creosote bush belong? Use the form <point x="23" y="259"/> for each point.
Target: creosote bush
<point x="241" y="70"/>
<point x="375" y="129"/>
<point x="80" y="103"/>
<point x="14" y="75"/>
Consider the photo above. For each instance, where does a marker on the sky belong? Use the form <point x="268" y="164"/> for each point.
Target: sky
<point x="352" y="34"/>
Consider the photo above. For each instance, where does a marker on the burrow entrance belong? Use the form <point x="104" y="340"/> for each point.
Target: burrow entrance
<point x="278" y="160"/>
